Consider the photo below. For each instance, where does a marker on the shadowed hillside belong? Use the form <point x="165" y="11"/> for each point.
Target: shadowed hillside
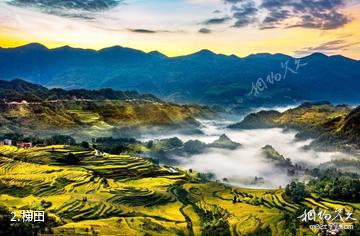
<point x="18" y="90"/>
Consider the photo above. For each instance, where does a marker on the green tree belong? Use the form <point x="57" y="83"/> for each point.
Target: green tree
<point x="174" y="142"/>
<point x="296" y="191"/>
<point x="85" y="144"/>
<point x="61" y="139"/>
<point x="194" y="147"/>
<point x="71" y="159"/>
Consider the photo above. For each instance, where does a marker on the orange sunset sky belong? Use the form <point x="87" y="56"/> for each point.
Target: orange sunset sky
<point x="179" y="27"/>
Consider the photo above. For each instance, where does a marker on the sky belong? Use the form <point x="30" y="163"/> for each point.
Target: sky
<point x="180" y="27"/>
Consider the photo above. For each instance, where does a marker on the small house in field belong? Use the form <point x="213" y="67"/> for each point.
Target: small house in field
<point x="2" y="143"/>
<point x="98" y="153"/>
<point x="24" y="145"/>
<point x="8" y="142"/>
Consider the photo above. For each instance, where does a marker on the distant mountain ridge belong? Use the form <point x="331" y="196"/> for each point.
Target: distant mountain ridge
<point x="202" y="77"/>
<point x="18" y="90"/>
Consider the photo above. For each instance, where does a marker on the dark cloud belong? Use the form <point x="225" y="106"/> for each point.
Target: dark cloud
<point x="204" y="31"/>
<point x="144" y="31"/>
<point x="217" y="11"/>
<point x="329" y="46"/>
<point x="267" y="27"/>
<point x="68" y="8"/>
<point x="317" y="14"/>
<point x="215" y="21"/>
<point x="276" y="16"/>
<point x="320" y="14"/>
<point x="244" y="13"/>
<point x="149" y="31"/>
<point x="233" y="1"/>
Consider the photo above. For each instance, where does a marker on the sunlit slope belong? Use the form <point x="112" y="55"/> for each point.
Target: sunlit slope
<point x="124" y="195"/>
<point x="32" y="109"/>
<point x="307" y="115"/>
<point x="333" y="127"/>
<point x="95" y="116"/>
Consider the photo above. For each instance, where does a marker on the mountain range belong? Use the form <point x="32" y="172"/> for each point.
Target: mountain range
<point x="17" y="90"/>
<point x="203" y="77"/>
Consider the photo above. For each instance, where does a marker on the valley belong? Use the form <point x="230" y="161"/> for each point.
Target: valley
<point x="179" y="118"/>
<point x="106" y="162"/>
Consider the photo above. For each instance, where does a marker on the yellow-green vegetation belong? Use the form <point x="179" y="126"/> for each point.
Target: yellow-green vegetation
<point x="311" y="115"/>
<point x="308" y="115"/>
<point x="95" y="115"/>
<point x="125" y="195"/>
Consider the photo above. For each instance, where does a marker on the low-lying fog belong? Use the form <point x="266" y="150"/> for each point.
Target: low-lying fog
<point x="240" y="166"/>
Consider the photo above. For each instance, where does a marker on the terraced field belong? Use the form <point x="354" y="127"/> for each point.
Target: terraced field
<point x="86" y="117"/>
<point x="124" y="195"/>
